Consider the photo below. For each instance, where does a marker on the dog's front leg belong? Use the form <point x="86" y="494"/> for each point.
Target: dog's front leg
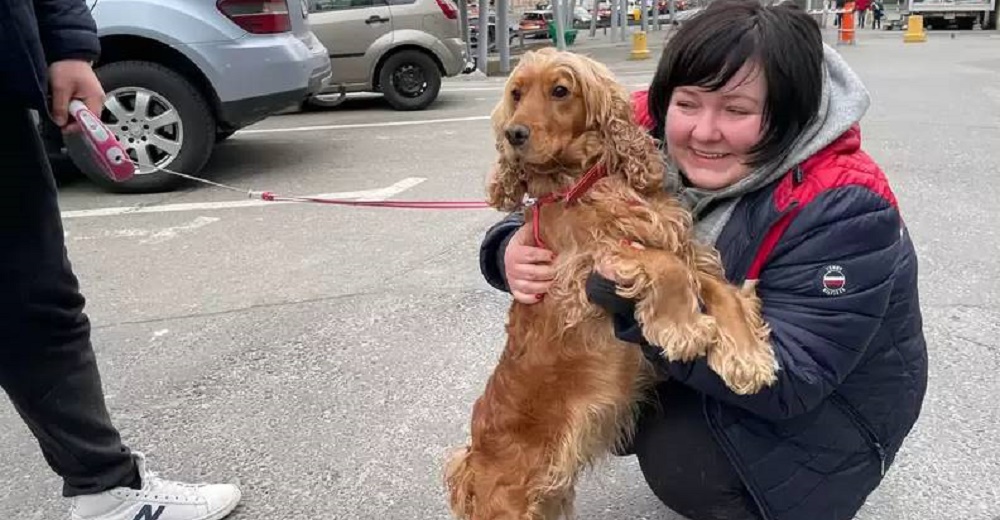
<point x="666" y="294"/>
<point x="742" y="354"/>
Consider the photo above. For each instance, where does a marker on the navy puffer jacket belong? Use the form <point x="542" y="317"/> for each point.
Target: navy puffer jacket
<point x="838" y="278"/>
<point x="34" y="34"/>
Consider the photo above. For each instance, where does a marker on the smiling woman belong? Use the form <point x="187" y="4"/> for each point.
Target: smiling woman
<point x="711" y="134"/>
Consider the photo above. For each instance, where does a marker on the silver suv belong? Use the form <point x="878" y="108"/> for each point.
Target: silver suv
<point x="401" y="48"/>
<point x="185" y="74"/>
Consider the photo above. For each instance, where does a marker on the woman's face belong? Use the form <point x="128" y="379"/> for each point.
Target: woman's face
<point x="708" y="134"/>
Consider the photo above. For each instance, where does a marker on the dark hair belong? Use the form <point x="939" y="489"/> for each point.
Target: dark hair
<point x="709" y="49"/>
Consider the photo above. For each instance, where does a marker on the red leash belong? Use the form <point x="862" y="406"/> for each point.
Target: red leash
<point x="409" y="204"/>
<point x="272" y="197"/>
<point x="594" y="174"/>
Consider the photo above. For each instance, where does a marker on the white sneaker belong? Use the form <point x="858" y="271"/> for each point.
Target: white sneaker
<point x="158" y="500"/>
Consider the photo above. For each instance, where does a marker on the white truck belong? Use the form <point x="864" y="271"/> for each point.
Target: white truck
<point x="939" y="14"/>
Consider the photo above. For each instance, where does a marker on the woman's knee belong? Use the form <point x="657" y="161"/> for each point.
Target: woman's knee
<point x="682" y="463"/>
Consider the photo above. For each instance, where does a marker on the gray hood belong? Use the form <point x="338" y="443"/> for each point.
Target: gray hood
<point x="843" y="103"/>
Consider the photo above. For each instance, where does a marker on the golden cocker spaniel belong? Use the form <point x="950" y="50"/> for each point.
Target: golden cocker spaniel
<point x="565" y="389"/>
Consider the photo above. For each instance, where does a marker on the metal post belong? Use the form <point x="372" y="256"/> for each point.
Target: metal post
<point x="673" y="12"/>
<point x="625" y="22"/>
<point x="559" y="18"/>
<point x="484" y="36"/>
<point x="502" y="35"/>
<point x="463" y="23"/>
<point x="613" y="21"/>
<point x="643" y="19"/>
<point x="593" y="17"/>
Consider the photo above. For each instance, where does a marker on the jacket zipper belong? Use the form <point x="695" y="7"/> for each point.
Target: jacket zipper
<point x="731" y="455"/>
<point x="748" y="258"/>
<point x="862" y="425"/>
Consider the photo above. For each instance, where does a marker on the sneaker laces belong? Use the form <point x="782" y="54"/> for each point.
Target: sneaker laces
<point x="159" y="488"/>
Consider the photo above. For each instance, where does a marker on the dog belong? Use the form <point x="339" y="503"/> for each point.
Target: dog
<point x="565" y="390"/>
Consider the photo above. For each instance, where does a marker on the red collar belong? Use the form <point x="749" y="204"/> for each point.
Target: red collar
<point x="594" y="174"/>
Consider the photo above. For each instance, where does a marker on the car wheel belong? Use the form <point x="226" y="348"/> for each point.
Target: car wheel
<point x="160" y="119"/>
<point x="410" y="80"/>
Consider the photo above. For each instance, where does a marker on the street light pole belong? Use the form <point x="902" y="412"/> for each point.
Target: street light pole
<point x="559" y="19"/>
<point x="502" y="36"/>
<point x="484" y="36"/>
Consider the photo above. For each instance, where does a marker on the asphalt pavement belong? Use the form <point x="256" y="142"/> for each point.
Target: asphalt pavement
<point x="327" y="357"/>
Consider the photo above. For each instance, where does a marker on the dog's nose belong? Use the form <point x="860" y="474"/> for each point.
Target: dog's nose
<point x="517" y="134"/>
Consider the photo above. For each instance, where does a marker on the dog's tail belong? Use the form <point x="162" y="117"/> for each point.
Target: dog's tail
<point x="458" y="480"/>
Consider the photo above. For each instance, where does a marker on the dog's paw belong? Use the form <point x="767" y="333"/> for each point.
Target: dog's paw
<point x="459" y="482"/>
<point x="682" y="341"/>
<point x="744" y="370"/>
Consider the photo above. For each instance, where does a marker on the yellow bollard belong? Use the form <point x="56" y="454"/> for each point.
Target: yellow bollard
<point x="639" y="50"/>
<point x="915" y="32"/>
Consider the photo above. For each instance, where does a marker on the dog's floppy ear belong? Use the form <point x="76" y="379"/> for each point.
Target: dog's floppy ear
<point x="630" y="150"/>
<point x="505" y="188"/>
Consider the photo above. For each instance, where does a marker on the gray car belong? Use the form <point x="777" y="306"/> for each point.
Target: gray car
<point x="400" y="48"/>
<point x="185" y="74"/>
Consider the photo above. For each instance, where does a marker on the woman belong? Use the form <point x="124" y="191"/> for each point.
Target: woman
<point x="759" y="121"/>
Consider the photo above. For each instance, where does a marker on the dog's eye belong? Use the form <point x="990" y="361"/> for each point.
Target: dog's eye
<point x="515" y="95"/>
<point x="560" y="91"/>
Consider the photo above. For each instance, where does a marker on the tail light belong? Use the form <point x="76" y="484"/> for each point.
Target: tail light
<point x="448" y="8"/>
<point x="258" y="16"/>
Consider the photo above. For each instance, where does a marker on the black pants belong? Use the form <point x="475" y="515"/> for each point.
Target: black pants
<point x="682" y="463"/>
<point x="47" y="364"/>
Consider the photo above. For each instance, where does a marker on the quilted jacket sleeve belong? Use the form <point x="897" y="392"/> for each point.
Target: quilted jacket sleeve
<point x="67" y="30"/>
<point x="819" y="331"/>
<point x="493" y="247"/>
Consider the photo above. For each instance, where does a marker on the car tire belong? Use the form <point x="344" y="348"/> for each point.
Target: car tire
<point x="186" y="144"/>
<point x="410" y="80"/>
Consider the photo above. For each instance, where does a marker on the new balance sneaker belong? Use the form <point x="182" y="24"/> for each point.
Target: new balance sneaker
<point x="158" y="499"/>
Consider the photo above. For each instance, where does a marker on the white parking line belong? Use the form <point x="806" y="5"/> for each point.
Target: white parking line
<point x="361" y="125"/>
<point x="367" y="195"/>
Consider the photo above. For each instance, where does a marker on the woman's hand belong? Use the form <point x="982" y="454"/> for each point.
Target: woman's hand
<point x="528" y="268"/>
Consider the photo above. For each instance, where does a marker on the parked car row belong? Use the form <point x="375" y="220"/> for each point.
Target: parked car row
<point x="401" y="48"/>
<point x="184" y="75"/>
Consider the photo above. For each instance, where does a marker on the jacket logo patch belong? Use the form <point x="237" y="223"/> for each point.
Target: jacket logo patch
<point x="834" y="281"/>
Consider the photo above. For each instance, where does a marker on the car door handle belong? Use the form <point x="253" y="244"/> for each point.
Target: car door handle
<point x="375" y="19"/>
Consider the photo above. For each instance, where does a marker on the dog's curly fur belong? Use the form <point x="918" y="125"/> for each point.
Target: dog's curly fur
<point x="565" y="389"/>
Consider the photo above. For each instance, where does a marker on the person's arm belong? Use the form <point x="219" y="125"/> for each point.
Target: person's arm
<point x="493" y="247"/>
<point x="67" y="30"/>
<point x="69" y="41"/>
<point x="818" y="334"/>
